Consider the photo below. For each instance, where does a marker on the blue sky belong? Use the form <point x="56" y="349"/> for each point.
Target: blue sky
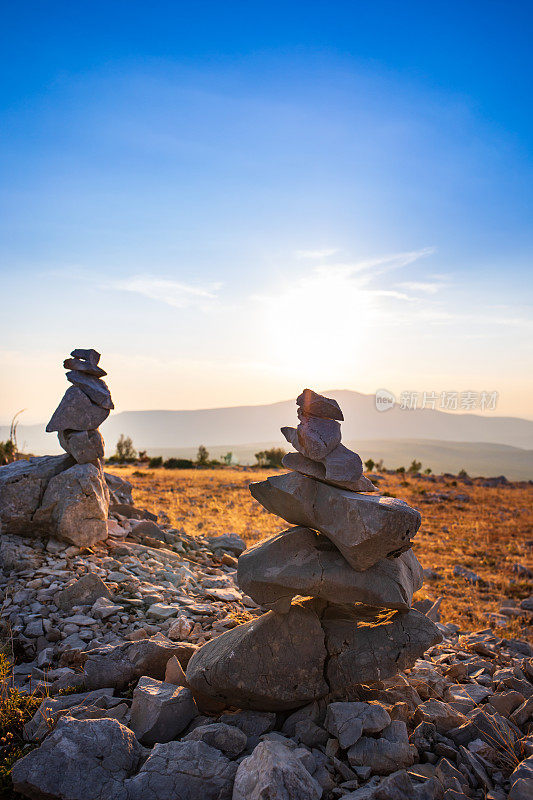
<point x="231" y="200"/>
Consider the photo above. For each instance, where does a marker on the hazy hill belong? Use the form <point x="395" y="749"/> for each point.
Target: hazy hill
<point x="366" y="428"/>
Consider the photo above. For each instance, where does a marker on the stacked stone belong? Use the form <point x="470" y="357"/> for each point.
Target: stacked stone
<point x="83" y="408"/>
<point x="337" y="589"/>
<point x="75" y="504"/>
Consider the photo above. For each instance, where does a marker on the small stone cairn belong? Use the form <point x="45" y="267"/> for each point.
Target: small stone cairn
<point x="336" y="589"/>
<point x="85" y="405"/>
<point x="65" y="496"/>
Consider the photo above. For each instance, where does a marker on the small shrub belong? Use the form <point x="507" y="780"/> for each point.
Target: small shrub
<point x="178" y="463"/>
<point x="155" y="462"/>
<point x="270" y="458"/>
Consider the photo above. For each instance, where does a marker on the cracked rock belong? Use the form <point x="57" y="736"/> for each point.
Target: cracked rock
<point x="302" y="562"/>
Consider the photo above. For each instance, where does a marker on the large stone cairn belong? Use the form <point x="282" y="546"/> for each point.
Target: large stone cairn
<point x="336" y="589"/>
<point x="65" y="496"/>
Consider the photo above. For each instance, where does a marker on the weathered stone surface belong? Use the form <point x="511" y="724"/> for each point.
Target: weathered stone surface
<point x="316" y="405"/>
<point x="80" y="759"/>
<point x="441" y="714"/>
<point x="83" y="446"/>
<point x="86" y="354"/>
<point x="182" y="771"/>
<point x="160" y="711"/>
<point x="230" y="542"/>
<point x="22" y="485"/>
<point x="95" y="388"/>
<point x="118" y="665"/>
<point x="252" y="723"/>
<point x="52" y="708"/>
<point x="84" y="366"/>
<point x="273" y="662"/>
<point x="77" y="501"/>
<point x="364" y="528"/>
<point x="229" y="739"/>
<point x="347" y="722"/>
<point x="314" y="437"/>
<point x="84" y="591"/>
<point x="302" y="562"/>
<point x="76" y="412"/>
<point x="365" y="645"/>
<point x="274" y="771"/>
<point x="120" y="490"/>
<point x="390" y="752"/>
<point x="317" y="469"/>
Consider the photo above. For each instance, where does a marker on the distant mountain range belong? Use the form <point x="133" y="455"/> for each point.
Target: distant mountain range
<point x="394" y="432"/>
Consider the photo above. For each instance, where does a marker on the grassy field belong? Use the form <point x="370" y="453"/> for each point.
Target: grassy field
<point x="486" y="529"/>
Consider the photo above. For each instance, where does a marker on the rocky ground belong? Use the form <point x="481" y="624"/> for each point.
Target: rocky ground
<point x="105" y="634"/>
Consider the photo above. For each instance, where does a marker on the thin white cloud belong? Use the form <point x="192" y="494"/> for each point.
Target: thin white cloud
<point x="315" y="254"/>
<point x="426" y="287"/>
<point x="164" y="290"/>
<point x="375" y="266"/>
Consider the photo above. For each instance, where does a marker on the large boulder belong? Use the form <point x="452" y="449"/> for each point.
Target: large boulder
<point x="302" y="562"/>
<point x="76" y="502"/>
<point x="22" y="485"/>
<point x="83" y="446"/>
<point x="271" y="663"/>
<point x="80" y="759"/>
<point x="274" y="771"/>
<point x="366" y="645"/>
<point x="284" y="661"/>
<point x="365" y="528"/>
<point x="76" y="412"/>
<point x="118" y="665"/>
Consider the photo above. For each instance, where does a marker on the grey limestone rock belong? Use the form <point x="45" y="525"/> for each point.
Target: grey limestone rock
<point x="76" y="412"/>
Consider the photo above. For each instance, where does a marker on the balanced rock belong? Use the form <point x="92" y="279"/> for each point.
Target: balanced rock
<point x="302" y="562"/>
<point x="76" y="412"/>
<point x="318" y="470"/>
<point x="314" y="437"/>
<point x="363" y="527"/>
<point x="271" y="663"/>
<point x="89" y="355"/>
<point x="75" y="505"/>
<point x="84" y="366"/>
<point x="95" y="388"/>
<point x="84" y="446"/>
<point x="317" y="405"/>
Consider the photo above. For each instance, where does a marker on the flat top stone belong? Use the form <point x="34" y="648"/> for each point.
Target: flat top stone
<point x="316" y="405"/>
<point x="90" y="355"/>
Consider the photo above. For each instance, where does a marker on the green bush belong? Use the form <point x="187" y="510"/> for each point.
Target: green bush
<point x="178" y="463"/>
<point x="156" y="462"/>
<point x="270" y="458"/>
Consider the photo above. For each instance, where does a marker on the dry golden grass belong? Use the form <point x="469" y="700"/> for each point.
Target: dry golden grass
<point x="488" y="533"/>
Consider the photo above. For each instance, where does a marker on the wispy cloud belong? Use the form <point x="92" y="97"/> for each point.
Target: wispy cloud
<point x="173" y="293"/>
<point x="316" y="254"/>
<point x="425" y="287"/>
<point x="375" y="266"/>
